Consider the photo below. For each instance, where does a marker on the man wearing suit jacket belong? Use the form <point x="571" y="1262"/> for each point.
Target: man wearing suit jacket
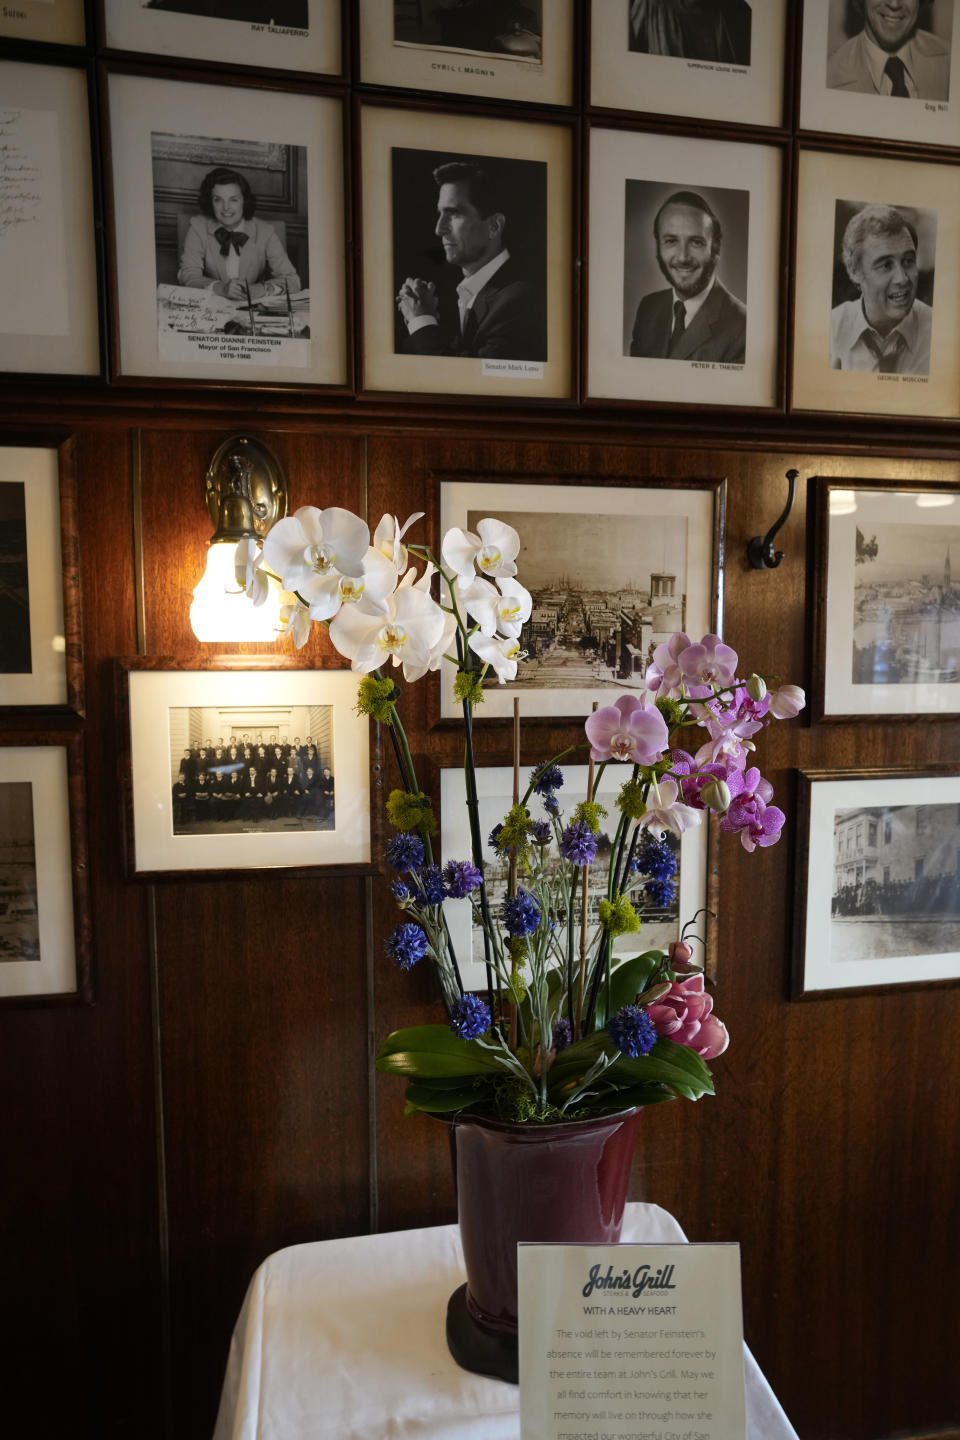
<point x="499" y="312"/>
<point x="891" y="56"/>
<point x="696" y="318"/>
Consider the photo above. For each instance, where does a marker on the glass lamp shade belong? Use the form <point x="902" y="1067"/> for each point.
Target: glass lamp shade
<point x="221" y="610"/>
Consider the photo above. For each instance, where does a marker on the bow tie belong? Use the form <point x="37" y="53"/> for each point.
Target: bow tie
<point x="236" y="238"/>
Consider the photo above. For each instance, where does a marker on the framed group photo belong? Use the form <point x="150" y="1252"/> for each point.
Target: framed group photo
<point x="612" y="572"/>
<point x="878" y="892"/>
<point x="684" y="294"/>
<point x="492" y="49"/>
<point x="284" y="34"/>
<point x="492" y="207"/>
<point x="233" y="769"/>
<point x="229" y="232"/>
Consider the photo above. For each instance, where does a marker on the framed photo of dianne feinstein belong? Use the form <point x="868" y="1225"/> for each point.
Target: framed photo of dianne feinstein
<point x="878" y="903"/>
<point x="243" y="770"/>
<point x="683" y="270"/>
<point x="229" y="221"/>
<point x="41" y="662"/>
<point x="876" y="325"/>
<point x="494" y="49"/>
<point x="612" y="571"/>
<point x="467" y="254"/>
<point x="888" y="586"/>
<point x="49" y="323"/>
<point x="885" y="71"/>
<point x="715" y="59"/>
<point x="283" y="34"/>
<point x="45" y="945"/>
<point x="55" y="22"/>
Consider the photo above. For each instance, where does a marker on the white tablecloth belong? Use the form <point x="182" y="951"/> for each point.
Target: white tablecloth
<point x="345" y="1340"/>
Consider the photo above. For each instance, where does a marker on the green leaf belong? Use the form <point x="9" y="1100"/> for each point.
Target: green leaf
<point x="675" y="1065"/>
<point x="440" y="1097"/>
<point x="627" y="981"/>
<point x="425" y="1052"/>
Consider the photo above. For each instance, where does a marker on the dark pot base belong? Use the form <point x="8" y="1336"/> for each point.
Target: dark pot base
<point x="485" y="1352"/>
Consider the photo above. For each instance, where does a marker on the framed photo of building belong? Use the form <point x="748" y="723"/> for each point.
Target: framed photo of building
<point x="44" y="910"/>
<point x="876" y="325"/>
<point x="243" y="770"/>
<point x="41" y="662"/>
<point x="283" y="34"/>
<point x="55" y="22"/>
<point x="720" y="60"/>
<point x="861" y="62"/>
<point x="684" y="262"/>
<point x="49" y="326"/>
<point x="493" y="49"/>
<point x="888" y="585"/>
<point x="612" y="570"/>
<point x="492" y="205"/>
<point x="229" y="223"/>
<point x="878" y="892"/>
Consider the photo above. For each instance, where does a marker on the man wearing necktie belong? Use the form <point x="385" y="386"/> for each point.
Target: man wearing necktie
<point x="891" y="55"/>
<point x="696" y="318"/>
<point x="227" y="250"/>
<point x="886" y="330"/>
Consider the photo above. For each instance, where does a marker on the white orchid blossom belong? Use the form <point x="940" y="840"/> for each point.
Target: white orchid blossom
<point x="295" y="620"/>
<point x="251" y="576"/>
<point x="388" y="536"/>
<point x="504" y="609"/>
<point x="667" y="812"/>
<point x="499" y="652"/>
<point x="313" y="549"/>
<point x="408" y="632"/>
<point x="379" y="579"/>
<point x="492" y="550"/>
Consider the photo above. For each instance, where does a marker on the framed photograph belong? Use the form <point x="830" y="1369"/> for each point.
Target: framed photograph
<point x="876" y="324"/>
<point x="859" y="61"/>
<point x="495" y="49"/>
<point x="495" y="795"/>
<point x="243" y="769"/>
<point x="41" y="661"/>
<point x="228" y="206"/>
<point x="879" y="901"/>
<point x="492" y="208"/>
<point x="719" y="60"/>
<point x="47" y="221"/>
<point x="44" y="907"/>
<point x="613" y="571"/>
<point x="285" y="34"/>
<point x="684" y="293"/>
<point x="888" y="639"/>
<point x="56" y="22"/>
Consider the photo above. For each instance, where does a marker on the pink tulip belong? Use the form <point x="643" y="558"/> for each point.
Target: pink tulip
<point x="684" y="1016"/>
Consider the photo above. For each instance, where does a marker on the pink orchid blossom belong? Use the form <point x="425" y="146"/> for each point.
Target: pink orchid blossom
<point x="663" y="676"/>
<point x="707" y="666"/>
<point x="759" y="824"/>
<point x="630" y="729"/>
<point x="752" y="796"/>
<point x="684" y="1015"/>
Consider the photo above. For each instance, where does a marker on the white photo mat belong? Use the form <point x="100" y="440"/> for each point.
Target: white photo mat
<point x="132" y="26"/>
<point x="622" y="79"/>
<point x="55" y="22"/>
<point x="141" y="107"/>
<point x="488" y="75"/>
<point x="690" y="511"/>
<point x="37" y="470"/>
<point x="154" y="693"/>
<point x="671" y="164"/>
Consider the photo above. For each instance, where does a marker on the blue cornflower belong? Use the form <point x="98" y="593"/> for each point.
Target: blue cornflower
<point x="400" y="890"/>
<point x="461" y="876"/>
<point x="469" y="1017"/>
<point x="541" y="832"/>
<point x="551" y="804"/>
<point x="494" y="837"/>
<point x="431" y="882"/>
<point x="521" y="913"/>
<point x="632" y="1031"/>
<point x="405" y="851"/>
<point x="406" y="944"/>
<point x="549" y="780"/>
<point x="578" y="843"/>
<point x="660" y="893"/>
<point x="562" y="1034"/>
<point x="656" y="858"/>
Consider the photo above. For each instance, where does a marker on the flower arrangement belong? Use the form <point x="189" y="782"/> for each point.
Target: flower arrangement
<point x="565" y="1028"/>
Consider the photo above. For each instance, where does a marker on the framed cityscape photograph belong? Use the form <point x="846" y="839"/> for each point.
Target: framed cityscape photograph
<point x="48" y="224"/>
<point x="55" y="22"/>
<point x="45" y="947"/>
<point x="877" y="277"/>
<point x="674" y="217"/>
<point x="888" y="588"/>
<point x="229" y="232"/>
<point x="251" y="769"/>
<point x="493" y="49"/>
<point x="284" y="34"/>
<point x="612" y="570"/>
<point x="41" y="660"/>
<point x="861" y="61"/>
<point x="510" y="332"/>
<point x="878" y="886"/>
<point x="722" y="60"/>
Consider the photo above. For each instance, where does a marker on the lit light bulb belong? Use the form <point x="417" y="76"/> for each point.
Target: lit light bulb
<point x="221" y="610"/>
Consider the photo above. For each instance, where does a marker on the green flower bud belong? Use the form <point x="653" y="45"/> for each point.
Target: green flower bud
<point x="756" y="687"/>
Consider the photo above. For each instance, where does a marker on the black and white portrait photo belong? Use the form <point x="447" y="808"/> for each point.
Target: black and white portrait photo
<point x="19" y="925"/>
<point x="15" y="650"/>
<point x="507" y="29"/>
<point x="715" y="31"/>
<point x="907" y="604"/>
<point x="294" y="13"/>
<point x="470" y="255"/>
<point x="895" y="48"/>
<point x="882" y="316"/>
<point x="685" y="272"/>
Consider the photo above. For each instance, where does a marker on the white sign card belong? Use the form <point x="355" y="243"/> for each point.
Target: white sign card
<point x="630" y="1342"/>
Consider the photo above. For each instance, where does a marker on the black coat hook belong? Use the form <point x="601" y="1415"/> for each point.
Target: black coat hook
<point x="760" y="551"/>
